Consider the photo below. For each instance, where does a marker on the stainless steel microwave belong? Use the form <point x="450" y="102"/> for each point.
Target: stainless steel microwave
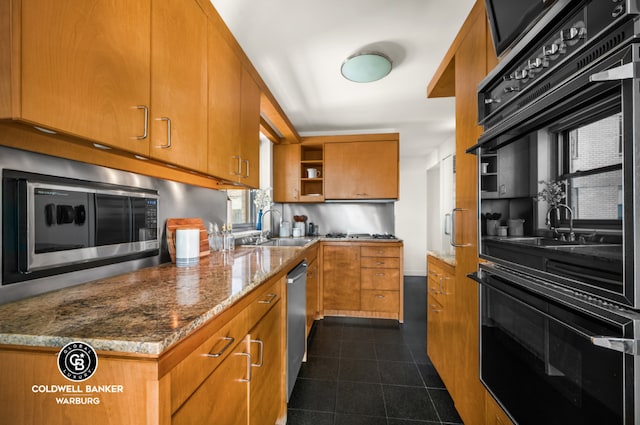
<point x="54" y="225"/>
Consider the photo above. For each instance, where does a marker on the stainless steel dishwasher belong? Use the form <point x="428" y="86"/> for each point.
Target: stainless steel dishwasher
<point x="296" y="322"/>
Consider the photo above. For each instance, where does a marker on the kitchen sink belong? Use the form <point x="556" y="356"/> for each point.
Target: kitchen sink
<point x="286" y="242"/>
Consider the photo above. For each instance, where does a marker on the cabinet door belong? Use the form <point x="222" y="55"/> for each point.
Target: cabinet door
<point x="225" y="81"/>
<point x="179" y="83"/>
<point x="341" y="277"/>
<point x="435" y="334"/>
<point x="286" y="173"/>
<point x="85" y="67"/>
<point x="361" y="170"/>
<point x="513" y="170"/>
<point x="223" y="398"/>
<point x="312" y="294"/>
<point x="267" y="392"/>
<point x="250" y="131"/>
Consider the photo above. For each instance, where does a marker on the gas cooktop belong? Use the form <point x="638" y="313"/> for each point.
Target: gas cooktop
<point x="359" y="236"/>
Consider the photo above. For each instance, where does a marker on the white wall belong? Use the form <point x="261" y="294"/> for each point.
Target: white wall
<point x="411" y="214"/>
<point x="415" y="200"/>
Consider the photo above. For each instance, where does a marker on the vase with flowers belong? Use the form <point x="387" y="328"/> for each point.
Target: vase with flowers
<point x="553" y="193"/>
<point x="262" y="201"/>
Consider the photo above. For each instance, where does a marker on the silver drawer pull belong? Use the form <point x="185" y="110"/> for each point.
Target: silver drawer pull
<point x="261" y="356"/>
<point x="249" y="370"/>
<point x="146" y="122"/>
<point x="379" y="296"/>
<point x="379" y="263"/>
<point x="270" y="299"/>
<point x="380" y="274"/>
<point x="229" y="340"/>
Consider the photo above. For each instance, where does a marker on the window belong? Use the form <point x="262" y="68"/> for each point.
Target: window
<point x="243" y="211"/>
<point x="594" y="176"/>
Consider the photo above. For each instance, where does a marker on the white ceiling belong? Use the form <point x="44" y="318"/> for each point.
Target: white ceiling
<point x="297" y="46"/>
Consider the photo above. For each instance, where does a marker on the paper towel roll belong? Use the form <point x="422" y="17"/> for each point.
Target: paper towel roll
<point x="187" y="247"/>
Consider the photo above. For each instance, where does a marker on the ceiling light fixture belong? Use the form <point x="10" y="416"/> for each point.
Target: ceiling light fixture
<point x="366" y="67"/>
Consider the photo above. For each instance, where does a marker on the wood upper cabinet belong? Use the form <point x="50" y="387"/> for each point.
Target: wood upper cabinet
<point x="286" y="173"/>
<point x="178" y="115"/>
<point x="234" y="115"/>
<point x="249" y="131"/>
<point x="341" y="277"/>
<point x="291" y="181"/>
<point x="84" y="68"/>
<point x="361" y="170"/>
<point x="225" y="82"/>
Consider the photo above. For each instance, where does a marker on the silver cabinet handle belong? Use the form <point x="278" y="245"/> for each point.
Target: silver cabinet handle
<point x="146" y="122"/>
<point x="249" y="370"/>
<point x="380" y="274"/>
<point x="447" y="224"/>
<point x="229" y="340"/>
<point x="379" y="296"/>
<point x="246" y="161"/>
<point x="239" y="169"/>
<point x="168" y="120"/>
<point x="379" y="263"/>
<point x="268" y="300"/>
<point x="452" y="239"/>
<point x="261" y="356"/>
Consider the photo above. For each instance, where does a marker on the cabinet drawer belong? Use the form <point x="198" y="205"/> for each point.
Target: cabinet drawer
<point x="383" y="301"/>
<point x="380" y="262"/>
<point x="264" y="302"/>
<point x="194" y="369"/>
<point x="378" y="279"/>
<point x="380" y="251"/>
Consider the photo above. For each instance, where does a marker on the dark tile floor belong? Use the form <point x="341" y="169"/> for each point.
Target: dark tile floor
<point x="372" y="372"/>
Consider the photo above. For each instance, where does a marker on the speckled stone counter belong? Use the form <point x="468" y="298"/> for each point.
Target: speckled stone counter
<point x="145" y="311"/>
<point x="447" y="258"/>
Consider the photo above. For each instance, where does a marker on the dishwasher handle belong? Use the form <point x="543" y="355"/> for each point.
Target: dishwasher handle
<point x="298" y="272"/>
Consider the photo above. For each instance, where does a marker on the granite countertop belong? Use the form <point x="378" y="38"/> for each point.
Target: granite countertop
<point x="145" y="311"/>
<point x="447" y="258"/>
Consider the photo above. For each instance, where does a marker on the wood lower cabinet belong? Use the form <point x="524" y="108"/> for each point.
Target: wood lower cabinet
<point x="494" y="415"/>
<point x="440" y="319"/>
<point x="224" y="396"/>
<point x="312" y="289"/>
<point x="267" y="360"/>
<point x="220" y="374"/>
<point x="363" y="279"/>
<point x="341" y="277"/>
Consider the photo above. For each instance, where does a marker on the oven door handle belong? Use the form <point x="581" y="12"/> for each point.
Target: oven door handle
<point x="627" y="71"/>
<point x="623" y="345"/>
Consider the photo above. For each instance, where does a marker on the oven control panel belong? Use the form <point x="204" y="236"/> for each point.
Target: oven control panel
<point x="524" y="81"/>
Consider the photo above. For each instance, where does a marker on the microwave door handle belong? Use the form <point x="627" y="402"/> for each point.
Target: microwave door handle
<point x="627" y="71"/>
<point x="623" y="345"/>
<point x="23" y="223"/>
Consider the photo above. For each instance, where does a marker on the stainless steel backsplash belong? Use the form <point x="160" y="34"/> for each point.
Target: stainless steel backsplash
<point x="176" y="200"/>
<point x="342" y="217"/>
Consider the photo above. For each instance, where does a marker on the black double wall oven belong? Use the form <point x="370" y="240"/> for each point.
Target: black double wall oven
<point x="558" y="187"/>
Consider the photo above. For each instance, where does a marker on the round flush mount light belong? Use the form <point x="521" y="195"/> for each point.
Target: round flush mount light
<point x="366" y="67"/>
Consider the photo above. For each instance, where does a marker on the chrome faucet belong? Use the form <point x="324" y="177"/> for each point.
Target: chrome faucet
<point x="264" y="214"/>
<point x="571" y="236"/>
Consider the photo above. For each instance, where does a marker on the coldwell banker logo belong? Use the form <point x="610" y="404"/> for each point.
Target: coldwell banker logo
<point x="77" y="361"/>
